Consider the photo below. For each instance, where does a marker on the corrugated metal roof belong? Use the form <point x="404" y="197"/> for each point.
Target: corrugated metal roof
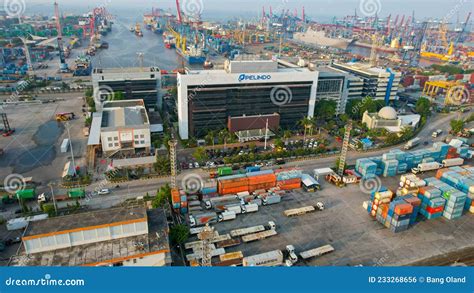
<point x="94" y="134"/>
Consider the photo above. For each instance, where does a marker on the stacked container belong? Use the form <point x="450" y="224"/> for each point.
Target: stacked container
<point x="399" y="215"/>
<point x="209" y="188"/>
<point x="175" y="198"/>
<point x="455" y="202"/>
<point x="452" y="153"/>
<point x="232" y="184"/>
<point x="288" y="179"/>
<point x="366" y="168"/>
<point x="390" y="167"/>
<point x="261" y="180"/>
<point x="432" y="202"/>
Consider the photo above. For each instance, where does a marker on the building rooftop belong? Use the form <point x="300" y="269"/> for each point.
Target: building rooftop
<point x="125" y="70"/>
<point x="124" y="113"/>
<point x="105" y="252"/>
<point x="83" y="220"/>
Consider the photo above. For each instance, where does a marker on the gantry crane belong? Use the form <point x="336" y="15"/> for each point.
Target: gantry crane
<point x="206" y="236"/>
<point x="174" y="166"/>
<point x="63" y="66"/>
<point x="460" y="37"/>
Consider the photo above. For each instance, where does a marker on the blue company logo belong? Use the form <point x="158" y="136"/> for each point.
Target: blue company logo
<point x="243" y="77"/>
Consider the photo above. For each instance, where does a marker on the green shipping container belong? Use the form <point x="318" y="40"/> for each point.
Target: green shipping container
<point x="224" y="171"/>
<point x="26" y="194"/>
<point x="76" y="193"/>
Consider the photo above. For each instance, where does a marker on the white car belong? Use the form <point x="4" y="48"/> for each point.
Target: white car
<point x="196" y="165"/>
<point x="104" y="191"/>
<point x="190" y="165"/>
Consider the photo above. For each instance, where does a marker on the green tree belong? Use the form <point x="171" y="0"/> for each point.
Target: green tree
<point x="423" y="106"/>
<point x="49" y="209"/>
<point x="306" y="123"/>
<point x="406" y="133"/>
<point x="200" y="154"/>
<point x="163" y="195"/>
<point x="179" y="234"/>
<point x="457" y="125"/>
<point x="162" y="165"/>
<point x="392" y="138"/>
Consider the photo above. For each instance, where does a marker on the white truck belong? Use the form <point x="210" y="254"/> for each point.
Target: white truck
<point x="425" y="167"/>
<point x="412" y="143"/>
<point x="237" y="208"/>
<point x="202" y="219"/>
<point x="21" y="223"/>
<point x="304" y="210"/>
<point x="316" y="251"/>
<point x="212" y="202"/>
<point x="271" y="199"/>
<point x="267" y="259"/>
<point x="292" y="257"/>
<point x="250" y="208"/>
<point x="437" y="133"/>
<point x="453" y="162"/>
<point x="227" y="216"/>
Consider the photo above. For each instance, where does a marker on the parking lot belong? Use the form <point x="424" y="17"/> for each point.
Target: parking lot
<point x="34" y="148"/>
<point x="344" y="224"/>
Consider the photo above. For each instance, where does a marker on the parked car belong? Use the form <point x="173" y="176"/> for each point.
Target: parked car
<point x="104" y="191"/>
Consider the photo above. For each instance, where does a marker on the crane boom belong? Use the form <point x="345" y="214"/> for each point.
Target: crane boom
<point x="62" y="58"/>
<point x="178" y="8"/>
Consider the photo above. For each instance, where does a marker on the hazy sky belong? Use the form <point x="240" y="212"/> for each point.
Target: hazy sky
<point x="451" y="9"/>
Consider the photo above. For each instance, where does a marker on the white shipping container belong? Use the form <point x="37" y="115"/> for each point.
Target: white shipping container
<point x="453" y="162"/>
<point x="268" y="259"/>
<point x="64" y="145"/>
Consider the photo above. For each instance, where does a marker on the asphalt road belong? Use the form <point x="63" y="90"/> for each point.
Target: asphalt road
<point x="134" y="189"/>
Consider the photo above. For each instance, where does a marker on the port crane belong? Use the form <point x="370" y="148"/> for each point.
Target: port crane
<point x="63" y="68"/>
<point x="463" y="31"/>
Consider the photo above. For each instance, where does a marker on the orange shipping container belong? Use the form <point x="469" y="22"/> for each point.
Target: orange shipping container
<point x="290" y="186"/>
<point x="233" y="190"/>
<point x="254" y="187"/>
<point x="403" y="209"/>
<point x="262" y="179"/>
<point x="440" y="172"/>
<point x="175" y="198"/>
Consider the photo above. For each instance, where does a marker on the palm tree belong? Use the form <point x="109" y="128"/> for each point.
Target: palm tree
<point x="286" y="135"/>
<point x="307" y="123"/>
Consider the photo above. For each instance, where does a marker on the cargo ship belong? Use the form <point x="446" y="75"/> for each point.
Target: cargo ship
<point x="82" y="66"/>
<point x="319" y="38"/>
<point x="194" y="55"/>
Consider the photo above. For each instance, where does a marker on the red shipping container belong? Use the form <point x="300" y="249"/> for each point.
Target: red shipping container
<point x="403" y="209"/>
<point x="184" y="204"/>
<point x="440" y="172"/>
<point x="289" y="181"/>
<point x="233" y="190"/>
<point x="452" y="156"/>
<point x="175" y="198"/>
<point x="431" y="210"/>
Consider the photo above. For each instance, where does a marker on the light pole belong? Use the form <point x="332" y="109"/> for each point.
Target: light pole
<point x="54" y="199"/>
<point x="70" y="145"/>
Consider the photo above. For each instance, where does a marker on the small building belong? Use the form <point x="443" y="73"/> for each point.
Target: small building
<point x="125" y="127"/>
<point x="134" y="82"/>
<point x="249" y="128"/>
<point x="388" y="118"/>
<point x="126" y="236"/>
<point x="309" y="183"/>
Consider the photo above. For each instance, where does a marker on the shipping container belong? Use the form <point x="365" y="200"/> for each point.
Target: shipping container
<point x="268" y="259"/>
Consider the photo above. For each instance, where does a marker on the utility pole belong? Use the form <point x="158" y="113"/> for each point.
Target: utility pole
<point x="54" y="199"/>
<point x="266" y="134"/>
<point x="70" y="146"/>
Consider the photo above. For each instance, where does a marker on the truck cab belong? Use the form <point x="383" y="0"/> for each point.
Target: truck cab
<point x="292" y="257"/>
<point x="272" y="225"/>
<point x="320" y="206"/>
<point x="437" y="133"/>
<point x="192" y="221"/>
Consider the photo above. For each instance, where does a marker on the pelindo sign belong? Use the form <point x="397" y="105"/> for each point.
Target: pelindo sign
<point x="244" y="77"/>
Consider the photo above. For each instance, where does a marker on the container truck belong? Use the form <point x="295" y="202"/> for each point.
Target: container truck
<point x="202" y="219"/>
<point x="425" y="167"/>
<point x="21" y="223"/>
<point x="224" y="171"/>
<point x="228" y="243"/>
<point x="258" y="235"/>
<point x="197" y="230"/>
<point x="412" y="143"/>
<point x="245" y="231"/>
<point x="236" y="209"/>
<point x="231" y="255"/>
<point x="227" y="216"/>
<point x="250" y="208"/>
<point x="316" y="251"/>
<point x="267" y="259"/>
<point x="453" y="162"/>
<point x="254" y="229"/>
<point x="304" y="210"/>
<point x="210" y="203"/>
<point x="271" y="199"/>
